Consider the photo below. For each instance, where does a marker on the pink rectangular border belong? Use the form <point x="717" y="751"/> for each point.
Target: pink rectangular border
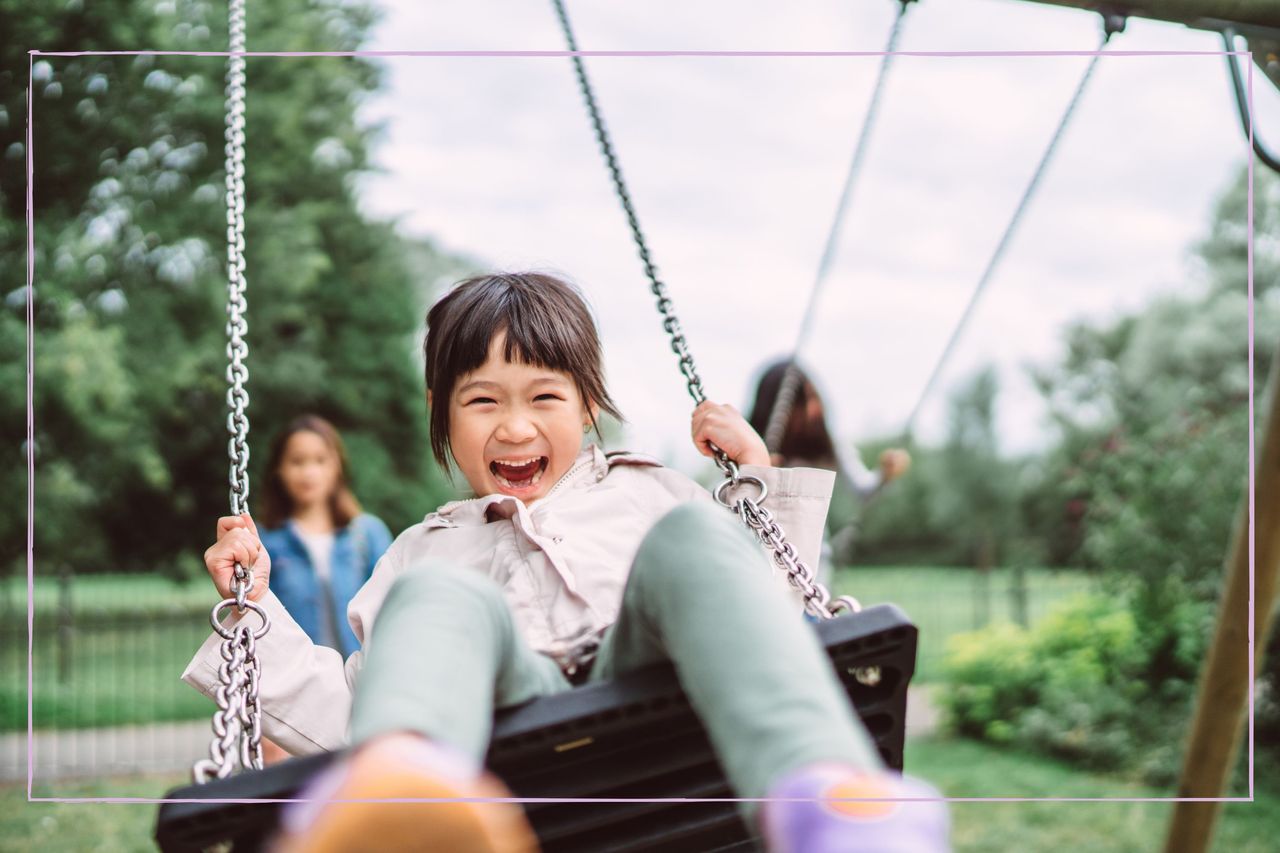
<point x="598" y="53"/>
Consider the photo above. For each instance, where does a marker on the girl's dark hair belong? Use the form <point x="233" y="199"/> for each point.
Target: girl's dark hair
<point x="546" y="322"/>
<point x="804" y="438"/>
<point x="276" y="505"/>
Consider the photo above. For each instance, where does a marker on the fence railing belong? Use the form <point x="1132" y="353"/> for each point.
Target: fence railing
<point x="944" y="602"/>
<point x="107" y="651"/>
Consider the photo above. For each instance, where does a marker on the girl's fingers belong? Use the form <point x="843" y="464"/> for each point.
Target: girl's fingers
<point x="228" y="523"/>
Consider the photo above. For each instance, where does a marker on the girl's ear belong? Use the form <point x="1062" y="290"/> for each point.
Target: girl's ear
<point x="428" y="398"/>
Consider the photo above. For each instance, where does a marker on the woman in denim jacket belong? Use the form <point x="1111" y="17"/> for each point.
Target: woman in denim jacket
<point x="322" y="547"/>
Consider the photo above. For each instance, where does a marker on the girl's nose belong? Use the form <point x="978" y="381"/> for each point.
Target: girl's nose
<point x="516" y="428"/>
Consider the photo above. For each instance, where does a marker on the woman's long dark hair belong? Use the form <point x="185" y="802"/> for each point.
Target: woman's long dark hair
<point x="804" y="438"/>
<point x="276" y="506"/>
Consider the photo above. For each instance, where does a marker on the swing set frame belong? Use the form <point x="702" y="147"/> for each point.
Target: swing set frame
<point x="873" y="651"/>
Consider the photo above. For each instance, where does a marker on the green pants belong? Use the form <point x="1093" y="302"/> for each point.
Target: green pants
<point x="445" y="654"/>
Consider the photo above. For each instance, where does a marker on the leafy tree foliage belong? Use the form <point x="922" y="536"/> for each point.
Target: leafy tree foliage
<point x="1152" y="410"/>
<point x="958" y="503"/>
<point x="128" y="304"/>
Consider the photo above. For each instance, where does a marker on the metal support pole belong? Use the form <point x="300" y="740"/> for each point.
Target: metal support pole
<point x="1193" y="13"/>
<point x="1018" y="595"/>
<point x="66" y="627"/>
<point x="1221" y="703"/>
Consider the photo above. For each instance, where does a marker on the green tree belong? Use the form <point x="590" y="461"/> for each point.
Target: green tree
<point x="128" y="306"/>
<point x="957" y="504"/>
<point x="978" y="506"/>
<point x="1152" y="410"/>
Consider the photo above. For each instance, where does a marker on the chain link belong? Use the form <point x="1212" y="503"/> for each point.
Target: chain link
<point x="237" y="326"/>
<point x="817" y="599"/>
<point x="780" y="414"/>
<point x="237" y="724"/>
<point x="670" y="322"/>
<point x="1111" y="24"/>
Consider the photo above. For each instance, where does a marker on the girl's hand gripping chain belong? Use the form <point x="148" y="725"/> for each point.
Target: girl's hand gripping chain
<point x="724" y="427"/>
<point x="238" y="541"/>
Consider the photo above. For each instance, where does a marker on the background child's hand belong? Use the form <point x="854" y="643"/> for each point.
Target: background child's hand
<point x="726" y="429"/>
<point x="894" y="462"/>
<point x="238" y="540"/>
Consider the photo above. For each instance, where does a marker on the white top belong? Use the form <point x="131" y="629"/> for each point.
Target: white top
<point x="320" y="549"/>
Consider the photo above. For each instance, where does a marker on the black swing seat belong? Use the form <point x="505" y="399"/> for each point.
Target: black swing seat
<point x="635" y="737"/>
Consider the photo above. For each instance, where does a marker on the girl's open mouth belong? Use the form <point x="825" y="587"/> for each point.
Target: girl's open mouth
<point x="519" y="474"/>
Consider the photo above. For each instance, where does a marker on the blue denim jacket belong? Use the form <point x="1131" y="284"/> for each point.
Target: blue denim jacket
<point x="356" y="549"/>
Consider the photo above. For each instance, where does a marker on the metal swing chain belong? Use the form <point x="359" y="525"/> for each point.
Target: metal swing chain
<point x="780" y="413"/>
<point x="759" y="520"/>
<point x="1111" y="24"/>
<point x="237" y="724"/>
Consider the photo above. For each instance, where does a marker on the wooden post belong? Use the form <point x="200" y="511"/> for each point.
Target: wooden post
<point x="1221" y="704"/>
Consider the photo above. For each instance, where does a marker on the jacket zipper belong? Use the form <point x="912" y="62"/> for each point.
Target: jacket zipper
<point x="569" y="475"/>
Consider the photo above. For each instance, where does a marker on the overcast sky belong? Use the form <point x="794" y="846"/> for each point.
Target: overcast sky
<point x="735" y="166"/>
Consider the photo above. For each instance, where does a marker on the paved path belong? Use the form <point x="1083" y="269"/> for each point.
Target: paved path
<point x="923" y="714"/>
<point x="172" y="747"/>
<point x="72" y="753"/>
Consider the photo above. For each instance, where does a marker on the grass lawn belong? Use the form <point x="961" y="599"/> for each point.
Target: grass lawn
<point x="962" y="768"/>
<point x="946" y="601"/>
<point x="959" y="768"/>
<point x="104" y="827"/>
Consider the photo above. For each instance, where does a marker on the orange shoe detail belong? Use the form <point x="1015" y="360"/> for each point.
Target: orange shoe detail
<point x="412" y="827"/>
<point x="850" y="798"/>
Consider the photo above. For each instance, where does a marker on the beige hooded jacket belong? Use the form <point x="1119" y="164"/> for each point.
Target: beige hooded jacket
<point x="562" y="564"/>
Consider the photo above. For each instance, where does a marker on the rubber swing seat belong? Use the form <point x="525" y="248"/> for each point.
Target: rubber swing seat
<point x="635" y="737"/>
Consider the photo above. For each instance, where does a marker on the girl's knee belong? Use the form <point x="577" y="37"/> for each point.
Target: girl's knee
<point x="692" y="520"/>
<point x="435" y="581"/>
<point x="695" y="537"/>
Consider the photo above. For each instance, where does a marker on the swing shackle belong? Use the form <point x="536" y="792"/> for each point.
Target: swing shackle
<point x="226" y="634"/>
<point x="718" y="492"/>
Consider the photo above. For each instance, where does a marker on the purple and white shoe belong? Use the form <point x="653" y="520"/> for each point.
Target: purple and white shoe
<point x="831" y="808"/>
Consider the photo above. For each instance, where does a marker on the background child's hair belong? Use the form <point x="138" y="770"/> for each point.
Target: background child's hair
<point x="547" y="324"/>
<point x="277" y="506"/>
<point x="804" y="438"/>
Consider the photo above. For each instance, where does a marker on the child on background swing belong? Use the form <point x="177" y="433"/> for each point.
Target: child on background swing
<point x="568" y="565"/>
<point x="806" y="442"/>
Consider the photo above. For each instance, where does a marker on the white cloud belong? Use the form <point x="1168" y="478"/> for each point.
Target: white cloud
<point x="735" y="164"/>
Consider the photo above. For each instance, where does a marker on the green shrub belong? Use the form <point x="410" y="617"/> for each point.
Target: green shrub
<point x="1073" y="686"/>
<point x="990" y="676"/>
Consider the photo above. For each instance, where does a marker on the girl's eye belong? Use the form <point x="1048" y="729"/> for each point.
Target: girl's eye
<point x="546" y="397"/>
<point x="480" y="400"/>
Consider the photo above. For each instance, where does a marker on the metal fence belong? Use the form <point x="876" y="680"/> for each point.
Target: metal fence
<point x="107" y="653"/>
<point x="944" y="602"/>
<point x="105" y="657"/>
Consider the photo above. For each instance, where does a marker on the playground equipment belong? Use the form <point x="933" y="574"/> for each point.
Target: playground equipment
<point x="635" y="737"/>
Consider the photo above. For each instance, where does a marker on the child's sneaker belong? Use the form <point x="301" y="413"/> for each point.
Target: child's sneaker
<point x="404" y="767"/>
<point x="854" y="813"/>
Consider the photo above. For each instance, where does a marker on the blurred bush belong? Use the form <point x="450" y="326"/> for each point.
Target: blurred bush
<point x="1075" y="686"/>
